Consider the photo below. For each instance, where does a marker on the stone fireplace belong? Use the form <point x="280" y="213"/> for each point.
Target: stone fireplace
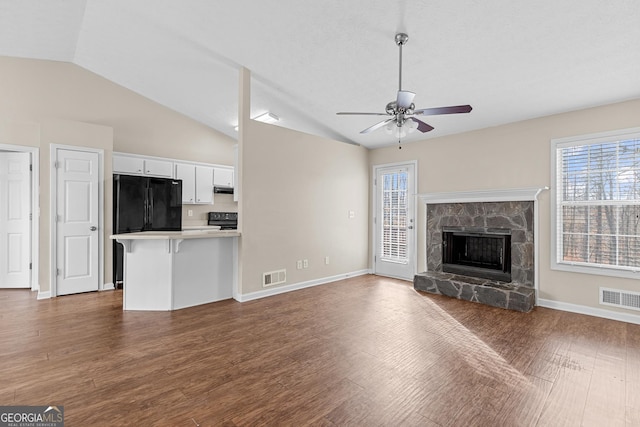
<point x="482" y="250"/>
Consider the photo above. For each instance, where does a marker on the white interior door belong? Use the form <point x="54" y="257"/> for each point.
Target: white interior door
<point x="394" y="221"/>
<point x="15" y="220"/>
<point x="77" y="233"/>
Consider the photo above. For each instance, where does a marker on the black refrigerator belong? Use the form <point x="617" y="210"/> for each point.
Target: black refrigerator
<point x="143" y="203"/>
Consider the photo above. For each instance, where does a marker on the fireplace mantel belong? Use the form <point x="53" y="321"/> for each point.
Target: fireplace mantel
<point x="501" y="195"/>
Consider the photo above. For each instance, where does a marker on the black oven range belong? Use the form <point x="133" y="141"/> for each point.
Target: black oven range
<point x="226" y="220"/>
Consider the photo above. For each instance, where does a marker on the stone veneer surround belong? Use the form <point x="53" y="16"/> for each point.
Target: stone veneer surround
<point x="483" y="211"/>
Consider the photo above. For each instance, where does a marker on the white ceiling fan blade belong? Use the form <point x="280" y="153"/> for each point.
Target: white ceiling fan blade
<point x="405" y="98"/>
<point x="377" y="125"/>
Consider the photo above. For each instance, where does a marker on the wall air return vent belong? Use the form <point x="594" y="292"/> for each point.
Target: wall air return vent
<point x="274" y="278"/>
<point x="620" y="298"/>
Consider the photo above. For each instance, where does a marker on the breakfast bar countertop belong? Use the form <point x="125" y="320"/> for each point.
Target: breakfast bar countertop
<point x="175" y="235"/>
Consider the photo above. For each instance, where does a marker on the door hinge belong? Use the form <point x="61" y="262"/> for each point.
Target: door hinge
<point x="58" y="272"/>
<point x="30" y="168"/>
<point x="56" y="165"/>
<point x="30" y="266"/>
<point x="30" y="216"/>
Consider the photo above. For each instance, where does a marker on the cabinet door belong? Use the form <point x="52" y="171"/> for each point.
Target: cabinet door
<point x="223" y="177"/>
<point x="204" y="184"/>
<point x="158" y="168"/>
<point x="187" y="173"/>
<point x="128" y="165"/>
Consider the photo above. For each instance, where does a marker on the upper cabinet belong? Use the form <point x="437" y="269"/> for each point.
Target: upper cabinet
<point x="197" y="183"/>
<point x="204" y="184"/>
<point x="142" y="166"/>
<point x="187" y="173"/>
<point x="223" y="177"/>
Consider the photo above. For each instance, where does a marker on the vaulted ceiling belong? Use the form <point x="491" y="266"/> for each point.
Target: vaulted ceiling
<point x="511" y="60"/>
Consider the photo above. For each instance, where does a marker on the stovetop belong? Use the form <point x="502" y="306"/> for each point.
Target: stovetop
<point x="226" y="220"/>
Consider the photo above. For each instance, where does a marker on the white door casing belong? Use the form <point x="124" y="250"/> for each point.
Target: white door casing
<point x="394" y="220"/>
<point x="77" y="227"/>
<point x="15" y="219"/>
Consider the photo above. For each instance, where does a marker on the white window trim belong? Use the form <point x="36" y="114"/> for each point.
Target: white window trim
<point x="588" y="139"/>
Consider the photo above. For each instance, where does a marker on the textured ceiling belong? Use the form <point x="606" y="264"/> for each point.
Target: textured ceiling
<point x="310" y="59"/>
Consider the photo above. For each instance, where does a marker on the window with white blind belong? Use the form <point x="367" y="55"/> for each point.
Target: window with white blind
<point x="596" y="205"/>
<point x="394" y="216"/>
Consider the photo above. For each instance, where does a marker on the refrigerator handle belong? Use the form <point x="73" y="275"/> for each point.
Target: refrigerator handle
<point x="145" y="225"/>
<point x="150" y="208"/>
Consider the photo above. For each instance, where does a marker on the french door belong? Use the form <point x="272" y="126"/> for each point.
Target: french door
<point x="394" y="217"/>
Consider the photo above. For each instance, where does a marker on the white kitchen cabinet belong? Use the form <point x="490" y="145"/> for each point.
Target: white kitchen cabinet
<point x="204" y="184"/>
<point x="187" y="173"/>
<point x="138" y="165"/>
<point x="197" y="183"/>
<point x="158" y="168"/>
<point x="223" y="177"/>
<point x="126" y="164"/>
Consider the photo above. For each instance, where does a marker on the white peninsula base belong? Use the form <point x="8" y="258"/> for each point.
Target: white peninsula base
<point x="173" y="270"/>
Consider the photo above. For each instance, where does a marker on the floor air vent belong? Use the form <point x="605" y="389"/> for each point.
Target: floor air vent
<point x="274" y="278"/>
<point x="619" y="298"/>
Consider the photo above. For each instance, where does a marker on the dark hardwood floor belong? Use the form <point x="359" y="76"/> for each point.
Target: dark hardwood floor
<point x="365" y="351"/>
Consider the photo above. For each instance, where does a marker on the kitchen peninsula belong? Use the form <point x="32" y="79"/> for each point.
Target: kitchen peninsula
<point x="178" y="269"/>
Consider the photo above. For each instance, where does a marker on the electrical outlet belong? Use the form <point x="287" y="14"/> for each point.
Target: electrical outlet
<point x="299" y="264"/>
<point x="305" y="263"/>
<point x="190" y="212"/>
<point x="326" y="260"/>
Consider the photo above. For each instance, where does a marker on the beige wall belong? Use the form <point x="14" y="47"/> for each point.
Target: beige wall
<point x="514" y="156"/>
<point x="297" y="192"/>
<point x="61" y="103"/>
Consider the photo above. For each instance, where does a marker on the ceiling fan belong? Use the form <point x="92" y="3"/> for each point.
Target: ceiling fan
<point x="402" y="110"/>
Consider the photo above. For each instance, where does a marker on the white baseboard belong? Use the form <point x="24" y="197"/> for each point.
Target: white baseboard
<point x="44" y="294"/>
<point x="590" y="311"/>
<point x="296" y="286"/>
<point x="108" y="287"/>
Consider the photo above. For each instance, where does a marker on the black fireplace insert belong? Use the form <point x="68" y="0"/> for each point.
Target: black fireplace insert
<point x="485" y="254"/>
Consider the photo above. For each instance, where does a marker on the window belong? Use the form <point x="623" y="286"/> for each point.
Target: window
<point x="394" y="216"/>
<point x="596" y="207"/>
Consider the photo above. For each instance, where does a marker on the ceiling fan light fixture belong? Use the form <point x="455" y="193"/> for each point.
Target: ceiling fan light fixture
<point x="390" y="127"/>
<point x="411" y="125"/>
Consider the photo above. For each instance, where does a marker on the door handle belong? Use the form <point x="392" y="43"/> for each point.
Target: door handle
<point x="93" y="228"/>
<point x="410" y="227"/>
